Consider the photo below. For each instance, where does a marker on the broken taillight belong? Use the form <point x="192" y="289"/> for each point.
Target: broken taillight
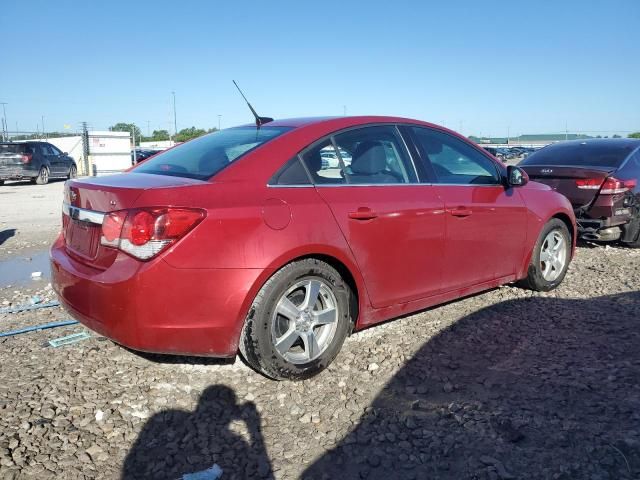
<point x="613" y="186"/>
<point x="145" y="232"/>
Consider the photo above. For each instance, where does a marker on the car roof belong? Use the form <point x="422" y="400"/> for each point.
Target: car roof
<point x="598" y="142"/>
<point x="340" y="122"/>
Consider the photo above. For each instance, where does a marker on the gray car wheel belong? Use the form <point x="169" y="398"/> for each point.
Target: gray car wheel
<point x="43" y="176"/>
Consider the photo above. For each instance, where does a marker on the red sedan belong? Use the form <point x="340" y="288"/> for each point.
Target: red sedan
<point x="249" y="240"/>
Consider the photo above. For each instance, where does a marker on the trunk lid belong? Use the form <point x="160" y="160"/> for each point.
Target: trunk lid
<point x="565" y="181"/>
<point x="82" y="229"/>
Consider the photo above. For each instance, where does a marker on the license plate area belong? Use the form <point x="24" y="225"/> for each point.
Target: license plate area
<point x="82" y="238"/>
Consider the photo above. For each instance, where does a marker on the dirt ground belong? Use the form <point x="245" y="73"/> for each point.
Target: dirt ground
<point x="508" y="384"/>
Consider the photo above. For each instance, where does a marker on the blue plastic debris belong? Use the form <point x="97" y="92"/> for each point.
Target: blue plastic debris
<point x="35" y="300"/>
<point x="69" y="339"/>
<point x="38" y="327"/>
<point x="27" y="307"/>
<point x="213" y="473"/>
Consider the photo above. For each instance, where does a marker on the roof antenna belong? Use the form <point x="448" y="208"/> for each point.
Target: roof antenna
<point x="259" y="120"/>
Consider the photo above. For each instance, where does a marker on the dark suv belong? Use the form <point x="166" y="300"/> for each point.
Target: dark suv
<point x="36" y="161"/>
<point x="600" y="179"/>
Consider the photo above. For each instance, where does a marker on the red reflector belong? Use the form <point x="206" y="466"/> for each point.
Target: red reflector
<point x="112" y="225"/>
<point x="613" y="186"/>
<point x="175" y="223"/>
<point x="589" y="183"/>
<point x="26" y="158"/>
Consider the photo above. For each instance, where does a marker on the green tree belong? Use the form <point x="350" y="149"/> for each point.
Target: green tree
<point x="634" y="135"/>
<point x="159" y="136"/>
<point x="127" y="127"/>
<point x="189" y="133"/>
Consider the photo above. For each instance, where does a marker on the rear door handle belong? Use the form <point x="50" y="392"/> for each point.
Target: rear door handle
<point x="460" y="212"/>
<point x="363" y="213"/>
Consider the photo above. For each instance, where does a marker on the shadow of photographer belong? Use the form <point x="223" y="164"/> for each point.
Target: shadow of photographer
<point x="220" y="430"/>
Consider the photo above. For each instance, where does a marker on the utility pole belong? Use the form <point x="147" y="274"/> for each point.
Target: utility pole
<point x="5" y="135"/>
<point x="85" y="149"/>
<point x="566" y="131"/>
<point x="43" y="134"/>
<point x="175" y="122"/>
<point x="133" y="134"/>
<point x="219" y="116"/>
<point x="344" y="110"/>
<point x="508" y="132"/>
<point x="148" y="128"/>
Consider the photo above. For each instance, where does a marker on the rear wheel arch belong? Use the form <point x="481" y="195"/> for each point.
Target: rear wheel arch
<point x="257" y="342"/>
<point x="350" y="275"/>
<point x="347" y="276"/>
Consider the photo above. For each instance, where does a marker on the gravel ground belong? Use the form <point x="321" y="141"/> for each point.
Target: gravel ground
<point x="503" y="385"/>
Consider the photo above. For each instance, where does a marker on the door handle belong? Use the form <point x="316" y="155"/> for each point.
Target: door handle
<point x="363" y="213"/>
<point x="460" y="212"/>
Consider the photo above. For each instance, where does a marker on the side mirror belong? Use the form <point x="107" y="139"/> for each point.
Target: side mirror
<point x="66" y="154"/>
<point x="516" y="177"/>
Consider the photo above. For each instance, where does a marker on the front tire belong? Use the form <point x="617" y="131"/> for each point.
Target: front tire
<point x="297" y="322"/>
<point x="43" y="176"/>
<point x="73" y="172"/>
<point x="550" y="258"/>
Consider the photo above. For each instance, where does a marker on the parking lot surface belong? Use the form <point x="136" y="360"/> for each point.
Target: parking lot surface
<point x="502" y="385"/>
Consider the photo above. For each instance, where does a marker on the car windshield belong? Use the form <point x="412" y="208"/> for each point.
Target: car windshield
<point x="205" y="156"/>
<point x="581" y="154"/>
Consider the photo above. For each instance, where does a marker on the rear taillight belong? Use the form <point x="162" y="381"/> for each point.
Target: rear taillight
<point x="145" y="232"/>
<point x="589" y="183"/>
<point x="613" y="186"/>
<point x="26" y="158"/>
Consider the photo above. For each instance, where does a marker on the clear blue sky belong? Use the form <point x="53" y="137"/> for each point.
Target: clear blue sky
<point x="475" y="66"/>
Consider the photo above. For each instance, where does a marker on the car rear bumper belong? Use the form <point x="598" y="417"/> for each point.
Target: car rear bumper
<point x="153" y="306"/>
<point x="16" y="172"/>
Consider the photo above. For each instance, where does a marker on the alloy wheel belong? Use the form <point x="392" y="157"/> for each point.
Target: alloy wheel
<point x="553" y="255"/>
<point x="305" y="320"/>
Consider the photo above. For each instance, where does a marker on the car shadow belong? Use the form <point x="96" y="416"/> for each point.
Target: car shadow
<point x="170" y="359"/>
<point x="6" y="234"/>
<point x="219" y="431"/>
<point x="538" y="387"/>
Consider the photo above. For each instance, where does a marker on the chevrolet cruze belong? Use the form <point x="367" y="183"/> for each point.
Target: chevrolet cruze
<point x="245" y="241"/>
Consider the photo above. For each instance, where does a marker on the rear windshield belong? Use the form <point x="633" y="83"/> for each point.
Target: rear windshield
<point x="12" y="148"/>
<point x="205" y="156"/>
<point x="581" y="154"/>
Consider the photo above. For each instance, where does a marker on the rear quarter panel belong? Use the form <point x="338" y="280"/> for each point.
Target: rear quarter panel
<point x="251" y="227"/>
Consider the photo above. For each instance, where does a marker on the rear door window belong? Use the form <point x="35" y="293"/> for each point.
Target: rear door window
<point x="375" y="155"/>
<point x="323" y="163"/>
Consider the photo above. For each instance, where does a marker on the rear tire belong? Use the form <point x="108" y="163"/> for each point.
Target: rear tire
<point x="634" y="226"/>
<point x="550" y="258"/>
<point x="1" y="182"/>
<point x="73" y="172"/>
<point x="297" y="322"/>
<point x="43" y="176"/>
